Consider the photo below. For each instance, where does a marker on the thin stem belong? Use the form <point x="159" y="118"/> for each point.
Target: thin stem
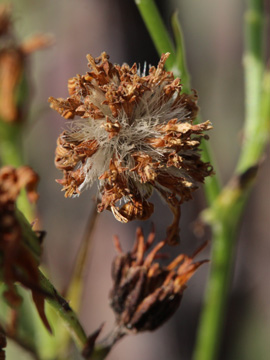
<point x="253" y="61"/>
<point x="157" y="30"/>
<point x="63" y="309"/>
<point x="180" y="53"/>
<point x="176" y="63"/>
<point x="75" y="290"/>
<point x="224" y="218"/>
<point x="212" y="186"/>
<point x="74" y="293"/>
<point x="225" y="214"/>
<point x="253" y="70"/>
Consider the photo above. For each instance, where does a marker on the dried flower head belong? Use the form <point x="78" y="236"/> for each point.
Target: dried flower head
<point x="146" y="294"/>
<point x="13" y="57"/>
<point x="134" y="133"/>
<point x="19" y="255"/>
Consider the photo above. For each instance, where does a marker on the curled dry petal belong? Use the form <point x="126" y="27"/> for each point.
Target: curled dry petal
<point x="132" y="133"/>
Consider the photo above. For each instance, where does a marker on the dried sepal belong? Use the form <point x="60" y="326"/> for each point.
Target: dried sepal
<point x="141" y="137"/>
<point x="146" y="294"/>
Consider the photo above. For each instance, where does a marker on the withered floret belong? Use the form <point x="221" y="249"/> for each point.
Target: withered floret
<point x="145" y="294"/>
<point x="132" y="133"/>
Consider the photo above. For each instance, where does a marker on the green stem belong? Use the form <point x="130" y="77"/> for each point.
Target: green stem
<point x="157" y="31"/>
<point x="63" y="309"/>
<point x="224" y="218"/>
<point x="181" y="54"/>
<point x="176" y="63"/>
<point x="74" y="293"/>
<point x="212" y="186"/>
<point x="253" y="70"/>
<point x="225" y="214"/>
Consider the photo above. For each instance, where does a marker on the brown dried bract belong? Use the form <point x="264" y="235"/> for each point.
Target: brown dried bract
<point x="132" y="133"/>
<point x="146" y="294"/>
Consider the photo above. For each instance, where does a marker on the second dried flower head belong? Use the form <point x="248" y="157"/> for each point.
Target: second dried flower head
<point x="146" y="294"/>
<point x="132" y="133"/>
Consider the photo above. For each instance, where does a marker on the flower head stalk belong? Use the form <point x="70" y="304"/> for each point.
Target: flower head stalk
<point x="131" y="132"/>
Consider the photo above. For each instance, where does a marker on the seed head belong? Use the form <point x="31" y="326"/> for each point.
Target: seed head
<point x="132" y="133"/>
<point x="146" y="294"/>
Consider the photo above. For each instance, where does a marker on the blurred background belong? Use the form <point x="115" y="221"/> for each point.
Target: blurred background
<point x="213" y="33"/>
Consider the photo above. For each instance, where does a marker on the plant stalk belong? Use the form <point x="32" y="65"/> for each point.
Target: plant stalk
<point x="176" y="63"/>
<point x="63" y="309"/>
<point x="225" y="214"/>
<point x="158" y="31"/>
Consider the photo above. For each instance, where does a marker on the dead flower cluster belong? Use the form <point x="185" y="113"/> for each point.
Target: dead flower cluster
<point x="146" y="294"/>
<point x="132" y="133"/>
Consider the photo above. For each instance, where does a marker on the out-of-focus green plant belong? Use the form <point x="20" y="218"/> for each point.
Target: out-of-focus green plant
<point x="226" y="205"/>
